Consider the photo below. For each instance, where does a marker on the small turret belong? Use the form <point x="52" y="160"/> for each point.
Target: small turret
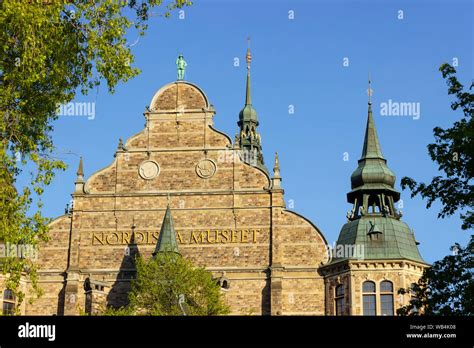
<point x="79" y="183"/>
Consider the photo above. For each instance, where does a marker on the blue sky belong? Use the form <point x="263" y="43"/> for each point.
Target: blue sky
<point x="299" y="62"/>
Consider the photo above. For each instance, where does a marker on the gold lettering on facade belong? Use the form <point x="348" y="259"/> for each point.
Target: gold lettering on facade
<point x="150" y="238"/>
<point x="225" y="234"/>
<point x="195" y="238"/>
<point x="125" y="238"/>
<point x="243" y="236"/>
<point x="209" y="239"/>
<point x="209" y="236"/>
<point x="112" y="238"/>
<point x="140" y="238"/>
<point x="98" y="238"/>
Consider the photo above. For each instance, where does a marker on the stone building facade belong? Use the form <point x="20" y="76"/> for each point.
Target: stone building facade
<point x="229" y="216"/>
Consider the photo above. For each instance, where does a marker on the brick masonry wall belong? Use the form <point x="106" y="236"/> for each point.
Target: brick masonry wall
<point x="231" y="213"/>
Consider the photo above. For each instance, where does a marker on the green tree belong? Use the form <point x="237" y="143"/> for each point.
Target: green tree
<point x="50" y="50"/>
<point x="453" y="151"/>
<point x="168" y="284"/>
<point x="447" y="288"/>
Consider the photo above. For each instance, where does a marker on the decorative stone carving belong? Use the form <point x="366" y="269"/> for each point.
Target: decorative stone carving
<point x="206" y="168"/>
<point x="149" y="170"/>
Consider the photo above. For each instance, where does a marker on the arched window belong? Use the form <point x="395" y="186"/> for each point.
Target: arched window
<point x="8" y="302"/>
<point x="225" y="284"/>
<point x="368" y="296"/>
<point x="339" y="299"/>
<point x="386" y="297"/>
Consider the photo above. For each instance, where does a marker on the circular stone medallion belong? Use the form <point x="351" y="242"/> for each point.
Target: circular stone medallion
<point x="206" y="168"/>
<point x="149" y="170"/>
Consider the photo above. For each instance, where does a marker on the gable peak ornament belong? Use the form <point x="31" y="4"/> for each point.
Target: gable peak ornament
<point x="181" y="66"/>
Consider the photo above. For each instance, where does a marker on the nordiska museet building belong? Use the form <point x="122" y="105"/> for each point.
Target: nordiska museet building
<point x="222" y="207"/>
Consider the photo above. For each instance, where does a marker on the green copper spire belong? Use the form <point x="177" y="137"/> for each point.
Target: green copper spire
<point x="371" y="147"/>
<point x="167" y="240"/>
<point x="248" y="113"/>
<point x="248" y="96"/>
<point x="248" y="138"/>
<point x="374" y="226"/>
<point x="372" y="172"/>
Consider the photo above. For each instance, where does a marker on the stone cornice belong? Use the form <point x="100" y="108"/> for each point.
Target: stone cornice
<point x="344" y="266"/>
<point x="176" y="149"/>
<point x="174" y="192"/>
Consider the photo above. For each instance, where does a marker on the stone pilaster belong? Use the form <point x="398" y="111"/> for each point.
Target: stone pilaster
<point x="71" y="306"/>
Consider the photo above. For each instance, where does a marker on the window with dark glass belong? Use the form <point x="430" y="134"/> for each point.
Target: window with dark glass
<point x="368" y="298"/>
<point x="8" y="302"/>
<point x="339" y="299"/>
<point x="386" y="297"/>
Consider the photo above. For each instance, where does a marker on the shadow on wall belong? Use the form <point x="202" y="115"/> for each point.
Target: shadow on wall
<point x="62" y="298"/>
<point x="266" y="296"/>
<point x="118" y="294"/>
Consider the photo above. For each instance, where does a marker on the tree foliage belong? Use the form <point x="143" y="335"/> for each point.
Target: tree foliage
<point x="447" y="288"/>
<point x="165" y="279"/>
<point x="453" y="151"/>
<point x="49" y="51"/>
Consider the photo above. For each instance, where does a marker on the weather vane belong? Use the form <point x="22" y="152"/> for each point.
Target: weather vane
<point x="370" y="90"/>
<point x="249" y="55"/>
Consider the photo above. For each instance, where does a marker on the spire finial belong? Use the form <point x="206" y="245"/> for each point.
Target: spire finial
<point x="371" y="147"/>
<point x="80" y="170"/>
<point x="276" y="167"/>
<point x="276" y="180"/>
<point x="168" y="199"/>
<point x="370" y="90"/>
<point x="80" y="178"/>
<point x="249" y="55"/>
<point x="248" y="98"/>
